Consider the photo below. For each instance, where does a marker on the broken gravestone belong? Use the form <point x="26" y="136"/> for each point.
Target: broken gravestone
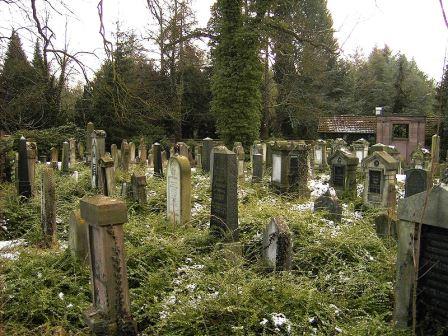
<point x="329" y="203"/>
<point x="277" y="245"/>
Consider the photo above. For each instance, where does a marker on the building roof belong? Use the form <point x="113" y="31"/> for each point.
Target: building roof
<point x="347" y="124"/>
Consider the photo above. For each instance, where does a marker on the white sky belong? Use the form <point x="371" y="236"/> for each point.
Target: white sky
<point x="414" y="27"/>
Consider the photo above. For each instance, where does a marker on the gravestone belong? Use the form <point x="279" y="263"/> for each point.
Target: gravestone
<point x="98" y="150"/>
<point x="164" y="159"/>
<point x="89" y="130"/>
<point x="31" y="149"/>
<point x="72" y="151"/>
<point x="138" y="183"/>
<point x="142" y="151"/>
<point x="435" y="148"/>
<point x="110" y="313"/>
<point x="257" y="168"/>
<point x="81" y="150"/>
<point x="107" y="177"/>
<point x="320" y="154"/>
<point x="423" y="258"/>
<point x="329" y="203"/>
<point x="78" y="237"/>
<point x="277" y="245"/>
<point x="343" y="172"/>
<point x="416" y="181"/>
<point x="224" y="200"/>
<point x="198" y="156"/>
<point x="157" y="159"/>
<point x="178" y="190"/>
<point x="207" y="146"/>
<point x="182" y="149"/>
<point x="150" y="162"/>
<point x="132" y="152"/>
<point x="420" y="158"/>
<point x="43" y="159"/>
<point x="385" y="225"/>
<point x="269" y="146"/>
<point x="380" y="170"/>
<point x="114" y="153"/>
<point x="361" y="149"/>
<point x="24" y="187"/>
<point x="65" y="157"/>
<point x="54" y="157"/>
<point x="338" y="144"/>
<point x="125" y="155"/>
<point x="48" y="206"/>
<point x="238" y="149"/>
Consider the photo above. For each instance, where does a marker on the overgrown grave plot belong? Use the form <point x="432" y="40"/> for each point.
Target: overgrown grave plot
<point x="180" y="283"/>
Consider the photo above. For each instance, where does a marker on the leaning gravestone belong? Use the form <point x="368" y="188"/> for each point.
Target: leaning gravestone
<point x="257" y="167"/>
<point x="207" y="146"/>
<point x="24" y="187"/>
<point x="48" y="206"/>
<point x="329" y="203"/>
<point x="157" y="159"/>
<point x="224" y="203"/>
<point x="65" y="157"/>
<point x="78" y="237"/>
<point x="416" y="181"/>
<point x="277" y="245"/>
<point x="422" y="259"/>
<point x="178" y="190"/>
<point x="110" y="313"/>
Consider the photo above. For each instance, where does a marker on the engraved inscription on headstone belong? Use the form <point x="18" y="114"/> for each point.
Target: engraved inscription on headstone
<point x="339" y="175"/>
<point x="375" y="181"/>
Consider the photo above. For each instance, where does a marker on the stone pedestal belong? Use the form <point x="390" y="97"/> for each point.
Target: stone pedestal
<point x="48" y="206"/>
<point x="110" y="313"/>
<point x="224" y="203"/>
<point x="178" y="190"/>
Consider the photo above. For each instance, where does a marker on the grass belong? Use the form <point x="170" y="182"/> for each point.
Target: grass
<point x="183" y="283"/>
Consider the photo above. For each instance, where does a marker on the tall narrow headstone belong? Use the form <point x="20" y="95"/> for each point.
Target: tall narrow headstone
<point x="435" y="148"/>
<point x="114" y="153"/>
<point x="207" y="146"/>
<point x="125" y="155"/>
<point x="48" y="206"/>
<point x="107" y="176"/>
<point x="257" y="168"/>
<point x="238" y="149"/>
<point x="78" y="237"/>
<point x="54" y="157"/>
<point x="89" y="130"/>
<point x="277" y="245"/>
<point x="72" y="148"/>
<point x="132" y="152"/>
<point x="23" y="181"/>
<point x="224" y="203"/>
<point x="65" y="157"/>
<point x="157" y="159"/>
<point x="142" y="151"/>
<point x="31" y="148"/>
<point x="110" y="313"/>
<point x="178" y="190"/>
<point x="81" y="150"/>
<point x="98" y="150"/>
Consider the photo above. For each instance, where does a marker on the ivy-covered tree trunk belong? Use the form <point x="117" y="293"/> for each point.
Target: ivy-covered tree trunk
<point x="237" y="74"/>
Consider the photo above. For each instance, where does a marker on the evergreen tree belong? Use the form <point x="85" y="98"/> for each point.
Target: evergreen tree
<point x="237" y="73"/>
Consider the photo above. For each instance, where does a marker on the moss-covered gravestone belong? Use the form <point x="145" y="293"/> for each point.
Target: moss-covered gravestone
<point x="48" y="206"/>
<point x="138" y="184"/>
<point x="142" y="151"/>
<point x="114" y="154"/>
<point x="157" y="159"/>
<point x="81" y="150"/>
<point x="422" y="259"/>
<point x="277" y="245"/>
<point x="330" y="205"/>
<point x="110" y="313"/>
<point x="78" y="237"/>
<point x="224" y="203"/>
<point x="54" y="157"/>
<point x="178" y="190"/>
<point x="343" y="172"/>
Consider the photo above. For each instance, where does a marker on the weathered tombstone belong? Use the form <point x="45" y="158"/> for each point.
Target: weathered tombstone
<point x="54" y="156"/>
<point x="224" y="202"/>
<point x="329" y="203"/>
<point x="277" y="245"/>
<point x="78" y="237"/>
<point x="198" y="156"/>
<point x="65" y="157"/>
<point x="132" y="152"/>
<point x="238" y="149"/>
<point x="48" y="206"/>
<point x="150" y="162"/>
<point x="110" y="313"/>
<point x="81" y="150"/>
<point x="343" y="172"/>
<point x="257" y="168"/>
<point x="31" y="148"/>
<point x="98" y="150"/>
<point x="385" y="225"/>
<point x="361" y="149"/>
<point x="124" y="192"/>
<point x="269" y="146"/>
<point x="157" y="159"/>
<point x="416" y="181"/>
<point x="178" y="190"/>
<point x="114" y="153"/>
<point x="320" y="154"/>
<point x="207" y="146"/>
<point x="107" y="177"/>
<point x="72" y="151"/>
<point x="125" y="155"/>
<point x="290" y="167"/>
<point x="380" y="171"/>
<point x="89" y="130"/>
<point x="420" y="158"/>
<point x="142" y="151"/>
<point x="389" y="149"/>
<point x="182" y="149"/>
<point x="24" y="187"/>
<point x="435" y="148"/>
<point x="138" y="183"/>
<point x="423" y="259"/>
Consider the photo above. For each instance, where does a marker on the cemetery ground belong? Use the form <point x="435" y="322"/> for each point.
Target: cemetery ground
<point x="183" y="282"/>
